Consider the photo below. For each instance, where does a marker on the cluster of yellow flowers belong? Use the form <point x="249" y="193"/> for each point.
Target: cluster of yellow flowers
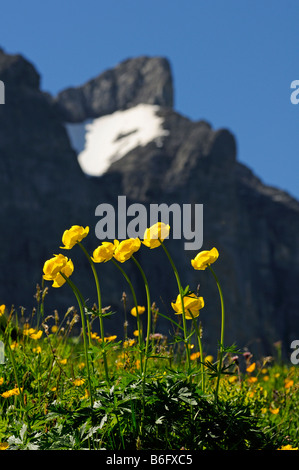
<point x="58" y="268"/>
<point x="10" y="393"/>
<point x="32" y="333"/>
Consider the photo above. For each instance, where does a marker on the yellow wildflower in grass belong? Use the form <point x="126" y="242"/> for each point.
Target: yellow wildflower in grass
<point x="209" y="358"/>
<point x="36" y="335"/>
<point x="288" y="447"/>
<point x="54" y="329"/>
<point x="251" y="368"/>
<point x="204" y="258"/>
<point x="63" y="361"/>
<point x="1" y="380"/>
<point x="126" y="248"/>
<point x="2" y="309"/>
<point x="37" y="350"/>
<point x="274" y="411"/>
<point x="81" y="365"/>
<point x="53" y="267"/>
<point x="103" y="253"/>
<point x="74" y="235"/>
<point x="129" y="342"/>
<point x="136" y="333"/>
<point x="252" y="380"/>
<point x="194" y="356"/>
<point x="85" y="396"/>
<point x="154" y="233"/>
<point x="78" y="382"/>
<point x="232" y="378"/>
<point x="288" y="383"/>
<point x="10" y="393"/>
<point x="4" y="445"/>
<point x="32" y="333"/>
<point x="111" y="338"/>
<point x="192" y="305"/>
<point x="266" y="378"/>
<point x="140" y="310"/>
<point x="94" y="336"/>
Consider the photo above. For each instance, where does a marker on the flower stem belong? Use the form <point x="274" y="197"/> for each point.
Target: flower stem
<point x="148" y="313"/>
<point x="221" y="334"/>
<point x="182" y="301"/>
<point x="17" y="381"/>
<point x="99" y="308"/>
<point x="200" y="350"/>
<point x="136" y="307"/>
<point x="78" y="297"/>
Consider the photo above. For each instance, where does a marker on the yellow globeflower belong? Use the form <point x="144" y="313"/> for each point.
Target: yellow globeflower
<point x="78" y="382"/>
<point x="10" y="393"/>
<point x="288" y="383"/>
<point x="126" y="248"/>
<point x="154" y="233"/>
<point x="140" y="310"/>
<point x="56" y="265"/>
<point x="192" y="305"/>
<point x="274" y="411"/>
<point x="103" y="253"/>
<point x="2" y="310"/>
<point x="251" y="368"/>
<point x="194" y="356"/>
<point x="36" y="335"/>
<point x="74" y="235"/>
<point x="204" y="258"/>
<point x="288" y="447"/>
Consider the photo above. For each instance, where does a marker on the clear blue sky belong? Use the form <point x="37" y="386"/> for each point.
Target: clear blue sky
<point x="233" y="61"/>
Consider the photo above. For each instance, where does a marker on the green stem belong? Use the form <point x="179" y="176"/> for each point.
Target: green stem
<point x="221" y="334"/>
<point x="78" y="297"/>
<point x="148" y="313"/>
<point x="182" y="301"/>
<point x="18" y="383"/>
<point x="200" y="350"/>
<point x="136" y="306"/>
<point x="99" y="307"/>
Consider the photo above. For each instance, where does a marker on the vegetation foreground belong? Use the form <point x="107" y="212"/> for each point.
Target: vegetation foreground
<point x="63" y="390"/>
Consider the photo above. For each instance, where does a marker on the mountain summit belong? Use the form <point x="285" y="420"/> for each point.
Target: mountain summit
<point x="118" y="134"/>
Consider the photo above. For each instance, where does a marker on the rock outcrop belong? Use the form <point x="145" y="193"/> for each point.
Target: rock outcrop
<point x="134" y="81"/>
<point x="44" y="191"/>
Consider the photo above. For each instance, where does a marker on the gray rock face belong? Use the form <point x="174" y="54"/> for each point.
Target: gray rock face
<point x="134" y="81"/>
<point x="43" y="192"/>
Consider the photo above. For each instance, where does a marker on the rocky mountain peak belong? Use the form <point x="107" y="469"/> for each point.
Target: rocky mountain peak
<point x="146" y="80"/>
<point x="16" y="71"/>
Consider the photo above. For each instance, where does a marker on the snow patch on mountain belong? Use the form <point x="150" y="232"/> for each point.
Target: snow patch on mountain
<point x="104" y="140"/>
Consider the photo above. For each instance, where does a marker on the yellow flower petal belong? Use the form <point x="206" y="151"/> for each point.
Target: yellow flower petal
<point x="74" y="235"/>
<point x="126" y="248"/>
<point x="140" y="310"/>
<point x="192" y="305"/>
<point x="251" y="367"/>
<point x="4" y="445"/>
<point x="204" y="258"/>
<point x="154" y="233"/>
<point x="103" y="253"/>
